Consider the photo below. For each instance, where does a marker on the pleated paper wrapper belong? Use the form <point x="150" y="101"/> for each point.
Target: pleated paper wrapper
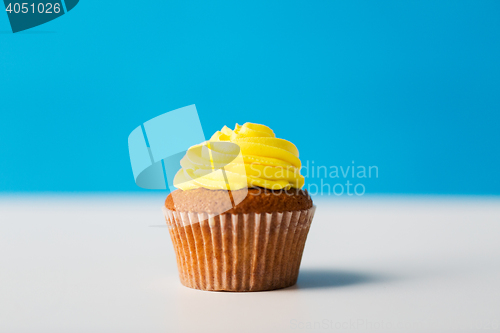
<point x="239" y="252"/>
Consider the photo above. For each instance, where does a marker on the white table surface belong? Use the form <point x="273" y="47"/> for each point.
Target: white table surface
<point x="106" y="264"/>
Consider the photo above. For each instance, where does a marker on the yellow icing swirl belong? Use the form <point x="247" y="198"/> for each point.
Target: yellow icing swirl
<point x="265" y="161"/>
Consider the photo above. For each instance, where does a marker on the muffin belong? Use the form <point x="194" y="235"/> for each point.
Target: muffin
<point x="239" y="220"/>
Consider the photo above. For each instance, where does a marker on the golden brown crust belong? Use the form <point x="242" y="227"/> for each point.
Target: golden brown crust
<point x="257" y="200"/>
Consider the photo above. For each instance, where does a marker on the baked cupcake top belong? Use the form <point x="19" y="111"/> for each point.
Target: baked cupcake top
<point x="255" y="200"/>
<point x="246" y="157"/>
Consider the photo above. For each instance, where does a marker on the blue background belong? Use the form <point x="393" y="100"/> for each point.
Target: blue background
<point x="412" y="87"/>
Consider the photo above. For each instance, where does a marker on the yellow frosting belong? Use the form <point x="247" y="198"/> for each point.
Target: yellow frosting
<point x="265" y="161"/>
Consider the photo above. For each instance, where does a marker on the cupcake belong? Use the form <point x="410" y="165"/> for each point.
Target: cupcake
<point x="239" y="219"/>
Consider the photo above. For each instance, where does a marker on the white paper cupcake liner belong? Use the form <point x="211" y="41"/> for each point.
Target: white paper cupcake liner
<point x="239" y="252"/>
